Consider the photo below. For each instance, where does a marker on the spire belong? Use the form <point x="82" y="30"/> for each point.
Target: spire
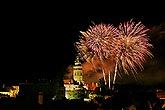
<point x="77" y="61"/>
<point x="77" y="70"/>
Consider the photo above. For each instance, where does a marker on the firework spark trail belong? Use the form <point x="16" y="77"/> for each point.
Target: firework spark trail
<point x="128" y="45"/>
<point x="96" y="42"/>
<point x="131" y="46"/>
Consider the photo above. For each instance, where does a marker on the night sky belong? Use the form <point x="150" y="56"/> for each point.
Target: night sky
<point x="38" y="42"/>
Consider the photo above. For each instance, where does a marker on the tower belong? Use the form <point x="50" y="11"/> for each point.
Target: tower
<point x="77" y="71"/>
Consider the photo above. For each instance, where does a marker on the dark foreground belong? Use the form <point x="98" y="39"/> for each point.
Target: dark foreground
<point x="118" y="101"/>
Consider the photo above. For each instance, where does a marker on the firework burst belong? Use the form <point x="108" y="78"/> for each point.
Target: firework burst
<point x="131" y="47"/>
<point x="128" y="45"/>
<point x="96" y="42"/>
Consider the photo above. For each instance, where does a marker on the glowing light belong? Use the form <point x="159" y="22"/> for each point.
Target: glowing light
<point x="96" y="43"/>
<point x="128" y="45"/>
<point x="131" y="46"/>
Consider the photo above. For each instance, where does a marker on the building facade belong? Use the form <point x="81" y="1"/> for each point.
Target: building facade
<point x="74" y="86"/>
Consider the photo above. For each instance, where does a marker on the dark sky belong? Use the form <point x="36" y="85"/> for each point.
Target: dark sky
<point x="39" y="40"/>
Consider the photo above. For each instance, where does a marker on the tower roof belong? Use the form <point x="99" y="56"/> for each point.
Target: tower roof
<point x="77" y="61"/>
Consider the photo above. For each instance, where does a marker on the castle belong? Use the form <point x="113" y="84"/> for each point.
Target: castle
<point x="75" y="87"/>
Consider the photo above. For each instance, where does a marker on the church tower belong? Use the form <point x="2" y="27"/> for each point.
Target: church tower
<point x="77" y="71"/>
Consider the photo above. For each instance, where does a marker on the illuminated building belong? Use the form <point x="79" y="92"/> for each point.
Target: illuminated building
<point x="73" y="90"/>
<point x="74" y="87"/>
<point x="11" y="91"/>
